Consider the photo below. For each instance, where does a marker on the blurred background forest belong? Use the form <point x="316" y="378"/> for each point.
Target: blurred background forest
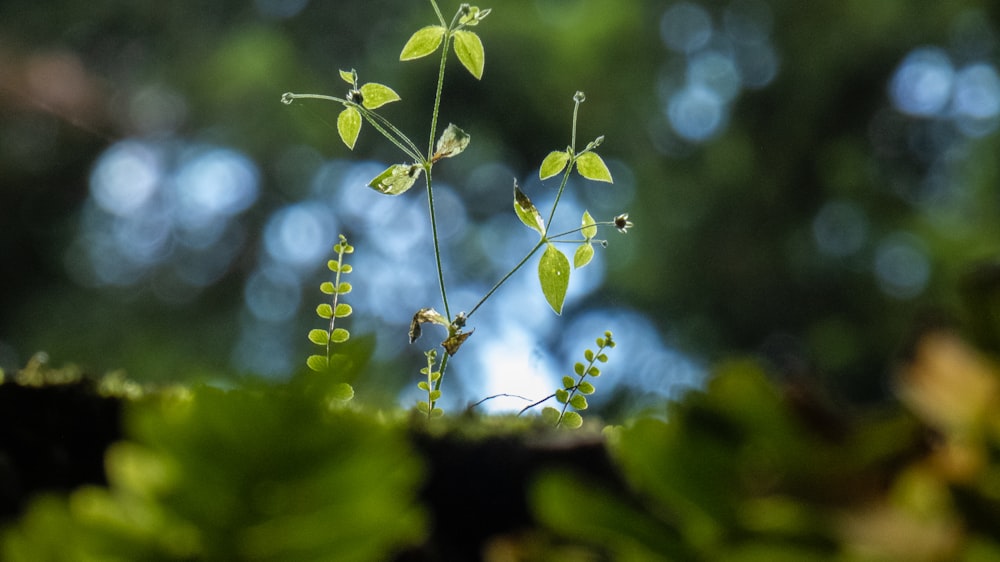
<point x="811" y="182"/>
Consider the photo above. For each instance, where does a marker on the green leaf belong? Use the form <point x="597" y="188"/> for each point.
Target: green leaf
<point x="527" y="212"/>
<point x="562" y="395"/>
<point x="588" y="355"/>
<point x="434" y="394"/>
<point x="589" y="229"/>
<point x="319" y="337"/>
<point x="422" y="385"/>
<point x="568" y="382"/>
<point x="349" y="77"/>
<point x="553" y="274"/>
<point x="333" y="265"/>
<point x="469" y="49"/>
<point x="339" y="335"/>
<point x="554" y="163"/>
<point x="344" y="288"/>
<point x="586" y="388"/>
<point x="376" y="95"/>
<point x="550" y="415"/>
<point x="423" y="407"/>
<point x="396" y="179"/>
<point x="452" y="142"/>
<point x="324" y="311"/>
<point x="343" y="310"/>
<point x="579" y="402"/>
<point x="326" y="287"/>
<point x="578" y="368"/>
<point x="346" y="268"/>
<point x="317" y="363"/>
<point x="584" y="253"/>
<point x="594" y="372"/>
<point x="437" y="413"/>
<point x="422" y="43"/>
<point x="592" y="167"/>
<point x="342" y="392"/>
<point x="348" y="126"/>
<point x="572" y="420"/>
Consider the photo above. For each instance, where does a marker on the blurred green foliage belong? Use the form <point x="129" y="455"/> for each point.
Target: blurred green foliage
<point x="747" y="470"/>
<point x="259" y="472"/>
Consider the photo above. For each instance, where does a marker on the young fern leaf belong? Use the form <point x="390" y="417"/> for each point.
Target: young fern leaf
<point x="330" y="312"/>
<point x="573" y="394"/>
<point x="427" y="407"/>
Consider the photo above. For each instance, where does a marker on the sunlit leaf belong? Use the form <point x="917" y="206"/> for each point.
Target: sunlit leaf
<point x="568" y="382"/>
<point x="553" y="274"/>
<point x="562" y="395"/>
<point x="396" y="179"/>
<point x="344" y="288"/>
<point x="422" y="385"/>
<point x="326" y="287"/>
<point x="376" y="95"/>
<point x="452" y="142"/>
<point x="422" y="43"/>
<point x="592" y="167"/>
<point x="579" y="402"/>
<point x="319" y="337"/>
<point x="349" y="77"/>
<point x="437" y="413"/>
<point x="550" y="415"/>
<point x="527" y="212"/>
<point x="554" y="163"/>
<point x="589" y="229"/>
<point x="317" y="363"/>
<point x="586" y="388"/>
<point x="339" y="335"/>
<point x="341" y="392"/>
<point x="348" y="126"/>
<point x="343" y="310"/>
<point x="324" y="311"/>
<point x="469" y="49"/>
<point x="572" y="420"/>
<point x="584" y="253"/>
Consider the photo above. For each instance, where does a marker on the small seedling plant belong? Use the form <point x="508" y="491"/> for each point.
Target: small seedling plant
<point x="360" y="105"/>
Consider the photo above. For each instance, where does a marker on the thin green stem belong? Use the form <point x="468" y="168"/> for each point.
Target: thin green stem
<point x="336" y="297"/>
<point x="438" y="12"/>
<point x="510" y="273"/>
<point x="576" y="110"/>
<point x="437" y="383"/>
<point x="562" y="187"/>
<point x="377" y="121"/>
<point x="569" y="166"/>
<point x="552" y="237"/>
<point x="437" y="244"/>
<point x="380" y="123"/>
